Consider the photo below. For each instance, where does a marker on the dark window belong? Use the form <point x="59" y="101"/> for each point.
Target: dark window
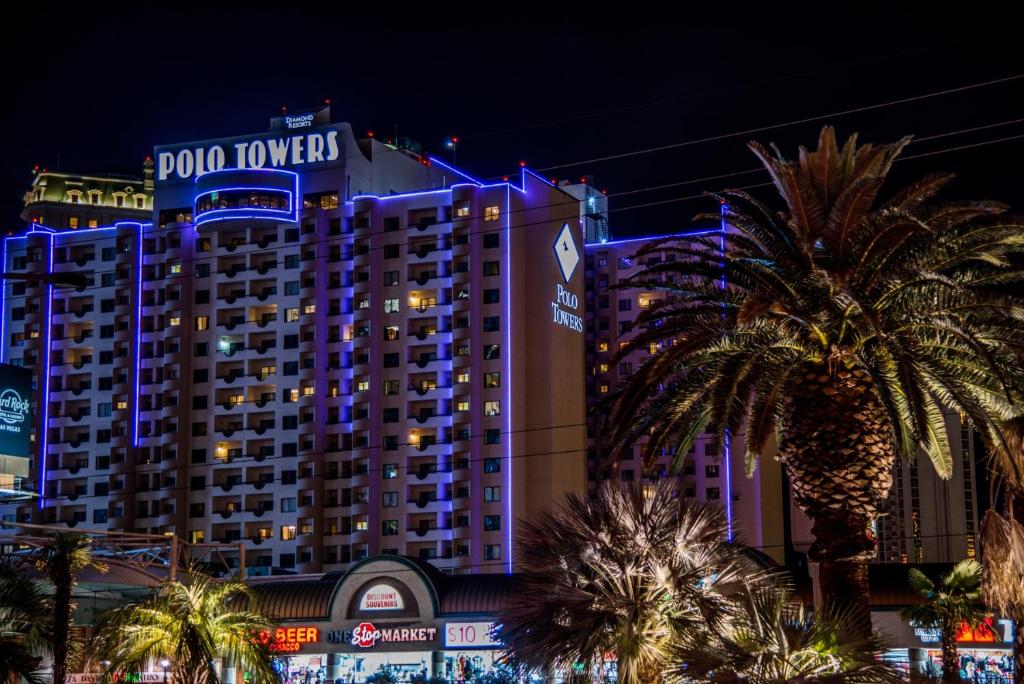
<point x="492" y="465"/>
<point x="492" y="296"/>
<point x="291" y="341"/>
<point x="491" y="240"/>
<point x="202" y="296"/>
<point x="492" y="323"/>
<point x="200" y="375"/>
<point x="492" y="523"/>
<point x="391" y="360"/>
<point x="198" y="482"/>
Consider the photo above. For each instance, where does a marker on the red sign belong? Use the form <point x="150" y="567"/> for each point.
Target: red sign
<point x="983" y="632"/>
<point x="288" y="639"/>
<point x="365" y="635"/>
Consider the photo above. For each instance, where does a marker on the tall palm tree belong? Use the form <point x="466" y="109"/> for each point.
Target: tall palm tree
<point x="62" y="559"/>
<point x="946" y="605"/>
<point x="843" y="324"/>
<point x="25" y="614"/>
<point x="773" y="639"/>
<point x="626" y="572"/>
<point x="191" y="625"/>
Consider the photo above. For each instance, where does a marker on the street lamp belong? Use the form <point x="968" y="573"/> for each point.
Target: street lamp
<point x="165" y="663"/>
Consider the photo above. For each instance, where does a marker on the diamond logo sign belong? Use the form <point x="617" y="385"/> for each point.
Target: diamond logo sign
<point x="566" y="253"/>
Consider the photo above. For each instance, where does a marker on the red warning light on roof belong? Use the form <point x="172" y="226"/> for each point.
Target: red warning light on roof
<point x="522" y="163"/>
<point x="369" y="134"/>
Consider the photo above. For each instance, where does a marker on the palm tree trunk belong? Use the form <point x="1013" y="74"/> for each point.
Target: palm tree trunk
<point x="61" y="626"/>
<point x="950" y="661"/>
<point x="838" y="451"/>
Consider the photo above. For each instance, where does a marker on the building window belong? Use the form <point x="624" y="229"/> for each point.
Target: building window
<point x="361" y="525"/>
<point x="713" y="494"/>
<point x="291" y="315"/>
<point x="287" y="532"/>
<point x="462" y="376"/>
<point x="390" y="333"/>
<point x="492" y="352"/>
<point x="202" y="322"/>
<point x="492" y="323"/>
<point x="492" y="436"/>
<point x="492" y="380"/>
<point x="492" y="493"/>
<point x="288" y="505"/>
<point x="492" y="523"/>
<point x="390" y="387"/>
<point x="625" y="305"/>
<point x="492" y="408"/>
<point x="389" y="528"/>
<point x="462" y="405"/>
<point x="492" y="465"/>
<point x="491" y="240"/>
<point x="390" y="471"/>
<point x="390" y="278"/>
<point x="492" y="268"/>
<point x="492" y="296"/>
<point x="391" y="305"/>
<point x="390" y="499"/>
<point x="492" y="552"/>
<point x="711" y="471"/>
<point x="492" y="213"/>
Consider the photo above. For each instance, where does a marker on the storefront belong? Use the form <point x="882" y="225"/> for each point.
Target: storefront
<point x="986" y="652"/>
<point x="388" y="612"/>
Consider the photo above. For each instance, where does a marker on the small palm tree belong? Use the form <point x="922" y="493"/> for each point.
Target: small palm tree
<point x="62" y="559"/>
<point x="25" y="614"/>
<point x="953" y="601"/>
<point x="191" y="625"/>
<point x="626" y="572"/>
<point x="843" y="324"/>
<point x="773" y="639"/>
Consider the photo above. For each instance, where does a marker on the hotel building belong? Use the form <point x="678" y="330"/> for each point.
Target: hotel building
<point x="323" y="347"/>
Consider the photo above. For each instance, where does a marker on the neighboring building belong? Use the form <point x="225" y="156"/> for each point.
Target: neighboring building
<point x="712" y="471"/>
<point x="395" y="364"/>
<point x="70" y="201"/>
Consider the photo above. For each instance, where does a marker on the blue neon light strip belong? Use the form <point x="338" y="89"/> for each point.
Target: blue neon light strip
<point x="3" y="299"/>
<point x="435" y="160"/>
<point x="45" y="409"/>
<point x="726" y="438"/>
<point x="290" y="215"/>
<point x="507" y="353"/>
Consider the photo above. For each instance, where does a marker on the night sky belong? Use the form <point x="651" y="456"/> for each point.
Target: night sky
<point x="93" y="89"/>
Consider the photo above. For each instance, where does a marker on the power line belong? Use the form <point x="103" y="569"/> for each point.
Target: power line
<point x="333" y="239"/>
<point x="784" y="124"/>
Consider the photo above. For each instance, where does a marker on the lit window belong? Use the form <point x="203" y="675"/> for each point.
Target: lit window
<point x="307" y="391"/>
<point x="391" y="333"/>
<point x="175" y="319"/>
<point x="492" y="380"/>
<point x="492" y="408"/>
<point x="462" y="406"/>
<point x="390" y="387"/>
<point x="602" y="368"/>
<point x="175" y="267"/>
<point x="390" y="471"/>
<point x="653" y="348"/>
<point x="293" y="395"/>
<point x="202" y="322"/>
<point x="492" y="552"/>
<point x="602" y="346"/>
<point x="604" y="389"/>
<point x="492" y="493"/>
<point x="287" y="532"/>
<point x="363" y="303"/>
<point x="291" y="315"/>
<point x="93" y="223"/>
<point x="462" y="210"/>
<point x="391" y="305"/>
<point x="492" y="212"/>
<point x="361" y="525"/>
<point x="73" y="221"/>
<point x="362" y="385"/>
<point x="463" y="376"/>
<point x="309" y="309"/>
<point x="121" y="404"/>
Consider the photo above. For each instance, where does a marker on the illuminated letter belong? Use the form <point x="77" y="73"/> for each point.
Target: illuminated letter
<point x="200" y="156"/>
<point x="215" y="158"/>
<point x="315" y="145"/>
<point x="297" y="150"/>
<point x="185" y="164"/>
<point x="257" y="154"/>
<point x="166" y="165"/>
<point x="240" y="155"/>
<point x="332" y="145"/>
<point x="278" y="151"/>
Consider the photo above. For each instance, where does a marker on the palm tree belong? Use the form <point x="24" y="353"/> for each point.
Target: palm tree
<point x="25" y="614"/>
<point x="843" y="324"/>
<point x="1002" y="537"/>
<point x="626" y="572"/>
<point x="954" y="601"/>
<point x="191" y="625"/>
<point x="62" y="559"/>
<point x="773" y="639"/>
